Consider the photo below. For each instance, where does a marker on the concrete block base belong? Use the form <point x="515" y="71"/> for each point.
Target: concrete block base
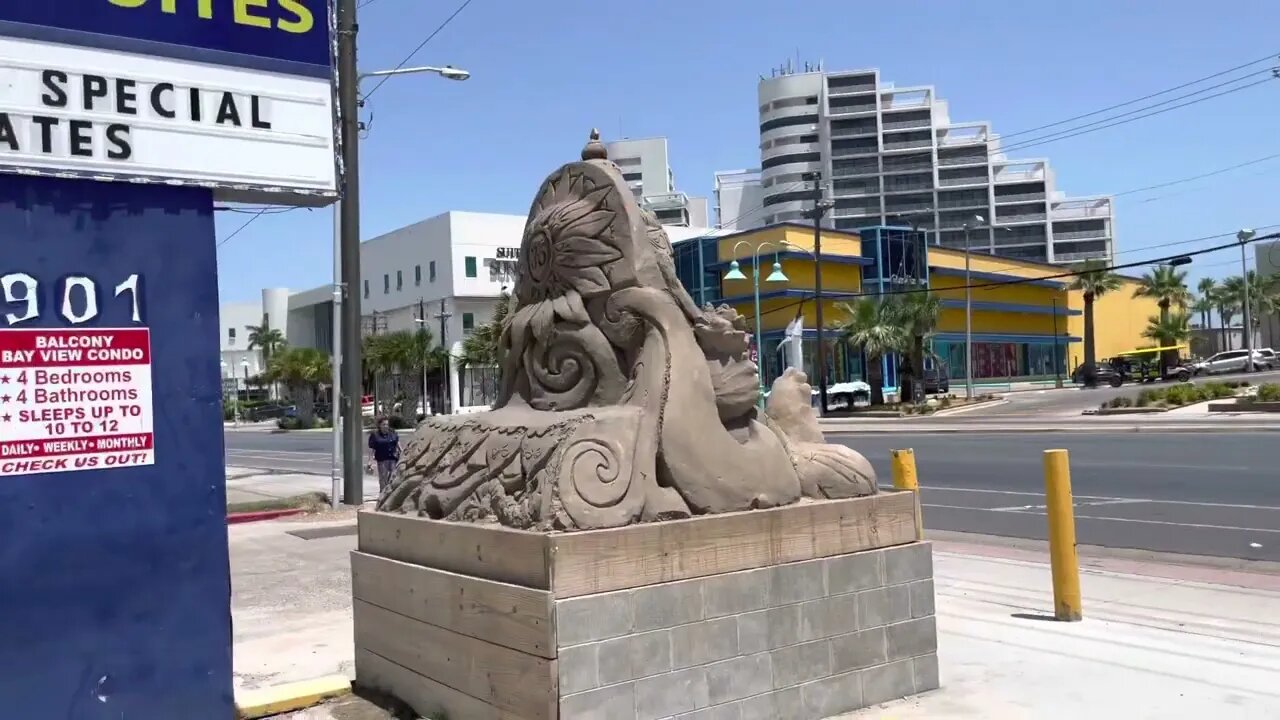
<point x="716" y="636"/>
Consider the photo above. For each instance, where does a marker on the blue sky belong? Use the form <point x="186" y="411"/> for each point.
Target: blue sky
<point x="543" y="74"/>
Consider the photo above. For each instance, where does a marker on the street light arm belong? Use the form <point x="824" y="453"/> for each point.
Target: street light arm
<point x="447" y="72"/>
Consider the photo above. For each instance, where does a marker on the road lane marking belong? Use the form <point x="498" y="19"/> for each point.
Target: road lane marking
<point x="1112" y="519"/>
<point x="1124" y="501"/>
<point x="1101" y="497"/>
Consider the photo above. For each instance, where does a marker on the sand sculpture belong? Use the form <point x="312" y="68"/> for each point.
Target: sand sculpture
<point x="622" y="401"/>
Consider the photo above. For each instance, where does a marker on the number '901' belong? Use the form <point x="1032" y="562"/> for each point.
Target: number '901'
<point x="76" y="296"/>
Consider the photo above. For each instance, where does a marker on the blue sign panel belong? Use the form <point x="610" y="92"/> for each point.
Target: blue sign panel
<point x="290" y="36"/>
<point x="116" y="595"/>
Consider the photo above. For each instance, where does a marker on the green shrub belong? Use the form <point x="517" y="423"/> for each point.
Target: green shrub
<point x="945" y="402"/>
<point x="1147" y="397"/>
<point x="1218" y="390"/>
<point x="1269" y="392"/>
<point x="288" y="423"/>
<point x="1180" y="395"/>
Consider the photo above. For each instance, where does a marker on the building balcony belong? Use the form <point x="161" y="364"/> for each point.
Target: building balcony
<point x="907" y="145"/>
<point x="1079" y="256"/>
<point x="836" y="134"/>
<point x="904" y="208"/>
<point x="959" y="137"/>
<point x="858" y="212"/>
<point x="906" y="99"/>
<point x="959" y="160"/>
<point x="916" y="124"/>
<point x="1099" y="234"/>
<point x="908" y="187"/>
<point x="959" y="203"/>
<point x="855" y="172"/>
<point x="835" y="110"/>
<point x="1098" y="209"/>
<point x="1020" y="218"/>
<point x="967" y="180"/>
<point x="1024" y="197"/>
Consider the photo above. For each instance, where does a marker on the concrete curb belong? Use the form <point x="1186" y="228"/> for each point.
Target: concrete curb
<point x="246" y="517"/>
<point x="969" y="408"/>
<point x="278" y="699"/>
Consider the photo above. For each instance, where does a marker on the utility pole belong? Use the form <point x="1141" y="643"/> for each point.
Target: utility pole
<point x="978" y="221"/>
<point x="444" y="316"/>
<point x="1057" y="368"/>
<point x="422" y="323"/>
<point x="349" y="212"/>
<point x="820" y="207"/>
<point x="1244" y="236"/>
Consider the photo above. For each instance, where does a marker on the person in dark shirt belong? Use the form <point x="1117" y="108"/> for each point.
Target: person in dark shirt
<point x="385" y="444"/>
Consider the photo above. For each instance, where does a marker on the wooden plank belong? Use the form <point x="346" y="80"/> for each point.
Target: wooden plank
<point x="508" y="679"/>
<point x="615" y="559"/>
<point x="426" y="696"/>
<point x="509" y="615"/>
<point x="486" y="551"/>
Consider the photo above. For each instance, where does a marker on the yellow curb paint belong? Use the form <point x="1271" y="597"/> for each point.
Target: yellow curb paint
<point x="277" y="699"/>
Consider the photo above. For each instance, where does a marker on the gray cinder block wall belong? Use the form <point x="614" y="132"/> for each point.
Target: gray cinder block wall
<point x="806" y="640"/>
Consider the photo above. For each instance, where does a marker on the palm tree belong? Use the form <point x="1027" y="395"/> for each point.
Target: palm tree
<point x="872" y="326"/>
<point x="1226" y="300"/>
<point x="265" y="339"/>
<point x="302" y="370"/>
<point x="481" y="347"/>
<point x="1094" y="280"/>
<point x="1204" y="305"/>
<point x="917" y="313"/>
<point x="408" y="353"/>
<point x="1172" y="329"/>
<point x="1168" y="287"/>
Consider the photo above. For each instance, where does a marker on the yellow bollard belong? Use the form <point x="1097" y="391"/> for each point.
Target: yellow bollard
<point x="904" y="478"/>
<point x="1062" y="536"/>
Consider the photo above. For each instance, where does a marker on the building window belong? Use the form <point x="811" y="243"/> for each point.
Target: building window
<point x="231" y="336"/>
<point x="399" y="280"/>
<point x="417" y="275"/>
<point x="470" y="263"/>
<point x="468" y="322"/>
<point x="431" y="271"/>
<point x="366" y="288"/>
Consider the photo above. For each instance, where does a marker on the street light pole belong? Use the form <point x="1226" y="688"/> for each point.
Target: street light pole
<point x="968" y="305"/>
<point x="347" y="349"/>
<point x="349" y="244"/>
<point x="820" y="207"/>
<point x="735" y="273"/>
<point x="1244" y="236"/>
<point x="447" y="398"/>
<point x="1057" y="367"/>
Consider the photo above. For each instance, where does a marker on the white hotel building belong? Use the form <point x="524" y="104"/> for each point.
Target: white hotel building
<point x="891" y="156"/>
<point x="457" y="264"/>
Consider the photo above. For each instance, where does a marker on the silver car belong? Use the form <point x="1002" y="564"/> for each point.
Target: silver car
<point x="1233" y="361"/>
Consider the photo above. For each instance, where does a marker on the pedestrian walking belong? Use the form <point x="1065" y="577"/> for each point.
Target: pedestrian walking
<point x="385" y="444"/>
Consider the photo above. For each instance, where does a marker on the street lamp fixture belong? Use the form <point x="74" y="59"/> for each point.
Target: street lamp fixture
<point x="977" y="221"/>
<point x="735" y="273"/>
<point x="447" y="72"/>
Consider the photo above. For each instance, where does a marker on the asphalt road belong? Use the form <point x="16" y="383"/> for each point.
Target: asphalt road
<point x="1215" y="494"/>
<point x="1074" y="400"/>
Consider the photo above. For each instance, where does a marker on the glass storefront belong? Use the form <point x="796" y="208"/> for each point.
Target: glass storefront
<point x="843" y="363"/>
<point x="1003" y="360"/>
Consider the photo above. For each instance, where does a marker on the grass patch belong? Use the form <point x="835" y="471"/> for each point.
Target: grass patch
<point x="1268" y="392"/>
<point x="311" y="502"/>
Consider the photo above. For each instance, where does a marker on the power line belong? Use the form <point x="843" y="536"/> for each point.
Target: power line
<point x="421" y="45"/>
<point x="250" y="221"/>
<point x="1196" y="177"/>
<point x="1265" y="58"/>
<point x="1087" y="129"/>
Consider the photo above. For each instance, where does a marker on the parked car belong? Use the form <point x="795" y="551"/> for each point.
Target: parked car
<point x="1107" y="374"/>
<point x="270" y="411"/>
<point x="1232" y="361"/>
<point x="1269" y="358"/>
<point x="936" y="377"/>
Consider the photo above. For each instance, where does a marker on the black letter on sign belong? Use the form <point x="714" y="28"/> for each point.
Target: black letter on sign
<point x="126" y="97"/>
<point x="227" y="110"/>
<point x="95" y="86"/>
<point x="46" y="131"/>
<point x="156" y="104"/>
<point x="255" y="114"/>
<point x="7" y="135"/>
<point x="118" y="136"/>
<point x="57" y="96"/>
<point x="81" y="137"/>
<point x="195" y="104"/>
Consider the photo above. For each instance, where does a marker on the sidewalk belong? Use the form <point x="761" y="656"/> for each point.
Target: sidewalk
<point x="251" y="484"/>
<point x="1155" y="643"/>
<point x="1162" y="422"/>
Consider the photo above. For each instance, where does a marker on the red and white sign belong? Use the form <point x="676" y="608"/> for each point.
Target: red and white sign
<point x="75" y="400"/>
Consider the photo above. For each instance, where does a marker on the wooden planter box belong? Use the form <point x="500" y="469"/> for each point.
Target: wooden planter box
<point x="804" y="611"/>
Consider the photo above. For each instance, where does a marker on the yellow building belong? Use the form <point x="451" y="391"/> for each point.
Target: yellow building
<point x="1023" y="317"/>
